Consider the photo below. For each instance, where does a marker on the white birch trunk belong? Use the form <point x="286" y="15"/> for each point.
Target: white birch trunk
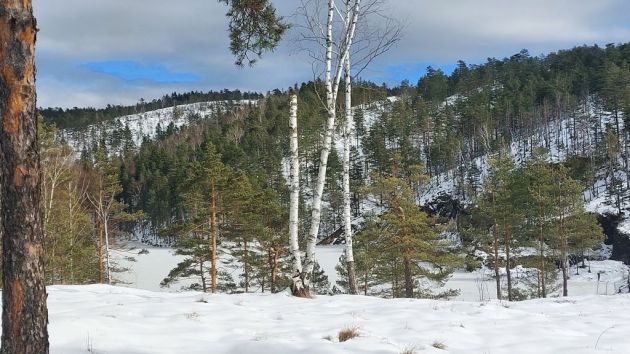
<point x="332" y="87"/>
<point x="294" y="248"/>
<point x="347" y="135"/>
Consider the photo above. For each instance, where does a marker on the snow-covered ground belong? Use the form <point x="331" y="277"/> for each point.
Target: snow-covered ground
<point x="115" y="320"/>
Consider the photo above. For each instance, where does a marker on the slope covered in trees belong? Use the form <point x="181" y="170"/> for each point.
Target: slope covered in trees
<point x="216" y="188"/>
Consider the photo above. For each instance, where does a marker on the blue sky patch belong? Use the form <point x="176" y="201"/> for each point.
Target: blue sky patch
<point x="130" y="70"/>
<point x="412" y="71"/>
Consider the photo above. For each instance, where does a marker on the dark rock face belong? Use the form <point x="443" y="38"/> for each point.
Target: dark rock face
<point x="619" y="241"/>
<point x="445" y="206"/>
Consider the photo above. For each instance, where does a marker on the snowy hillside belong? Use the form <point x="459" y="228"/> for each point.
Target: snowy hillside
<point x="573" y="134"/>
<point x="113" y="320"/>
<point x="146" y="124"/>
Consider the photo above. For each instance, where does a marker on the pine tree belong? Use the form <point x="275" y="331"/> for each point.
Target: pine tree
<point x="414" y="237"/>
<point x="104" y="188"/>
<point x="540" y="204"/>
<point x="24" y="310"/>
<point x="573" y="229"/>
<point x="502" y="203"/>
<point x="367" y="257"/>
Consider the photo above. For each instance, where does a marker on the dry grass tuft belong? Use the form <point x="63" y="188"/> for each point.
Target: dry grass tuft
<point x="409" y="350"/>
<point x="439" y="345"/>
<point x="348" y="333"/>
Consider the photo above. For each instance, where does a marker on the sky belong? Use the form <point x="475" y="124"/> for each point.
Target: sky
<point x="99" y="52"/>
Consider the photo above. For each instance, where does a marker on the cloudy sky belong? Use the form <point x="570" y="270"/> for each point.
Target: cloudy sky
<point x="94" y="52"/>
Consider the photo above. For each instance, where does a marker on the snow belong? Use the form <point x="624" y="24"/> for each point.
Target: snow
<point x="480" y="284"/>
<point x="146" y="124"/>
<point x="328" y="258"/>
<point x="145" y="270"/>
<point x="105" y="319"/>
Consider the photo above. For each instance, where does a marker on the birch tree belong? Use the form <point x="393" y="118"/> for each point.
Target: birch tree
<point x="294" y="247"/>
<point x="337" y="50"/>
<point x="347" y="220"/>
<point x="24" y="311"/>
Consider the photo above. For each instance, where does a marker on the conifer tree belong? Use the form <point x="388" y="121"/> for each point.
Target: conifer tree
<point x="573" y="229"/>
<point x="540" y="206"/>
<point x="414" y="237"/>
<point x="104" y="188"/>
<point x="24" y="310"/>
<point x="500" y="205"/>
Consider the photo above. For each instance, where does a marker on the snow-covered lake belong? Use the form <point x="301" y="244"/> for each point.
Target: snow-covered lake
<point x="149" y="269"/>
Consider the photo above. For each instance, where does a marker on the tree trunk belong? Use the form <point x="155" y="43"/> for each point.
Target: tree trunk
<point x="101" y="254"/>
<point x="408" y="274"/>
<point x="564" y="250"/>
<point x="24" y="311"/>
<point x="246" y="266"/>
<point x="497" y="274"/>
<point x="107" y="262"/>
<point x="332" y="87"/>
<point x="273" y="259"/>
<point x="347" y="135"/>
<point x="297" y="285"/>
<point x="204" y="286"/>
<point x="507" y="262"/>
<point x="543" y="285"/>
<point x="214" y="235"/>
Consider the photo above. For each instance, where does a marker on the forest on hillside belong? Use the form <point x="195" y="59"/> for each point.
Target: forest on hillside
<point x="522" y="143"/>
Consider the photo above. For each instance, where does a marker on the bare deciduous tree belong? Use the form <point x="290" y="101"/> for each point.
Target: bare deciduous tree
<point x="362" y="30"/>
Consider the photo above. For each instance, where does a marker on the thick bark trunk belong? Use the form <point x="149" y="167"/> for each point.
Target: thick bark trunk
<point x="24" y="311"/>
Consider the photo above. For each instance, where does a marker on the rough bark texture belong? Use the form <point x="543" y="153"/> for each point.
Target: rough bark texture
<point x="24" y="315"/>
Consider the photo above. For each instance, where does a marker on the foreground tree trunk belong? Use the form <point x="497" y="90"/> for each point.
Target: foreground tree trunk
<point x="24" y="312"/>
<point x="352" y="279"/>
<point x="297" y="286"/>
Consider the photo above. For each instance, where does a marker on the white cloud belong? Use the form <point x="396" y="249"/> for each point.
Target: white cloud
<point x="190" y="36"/>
